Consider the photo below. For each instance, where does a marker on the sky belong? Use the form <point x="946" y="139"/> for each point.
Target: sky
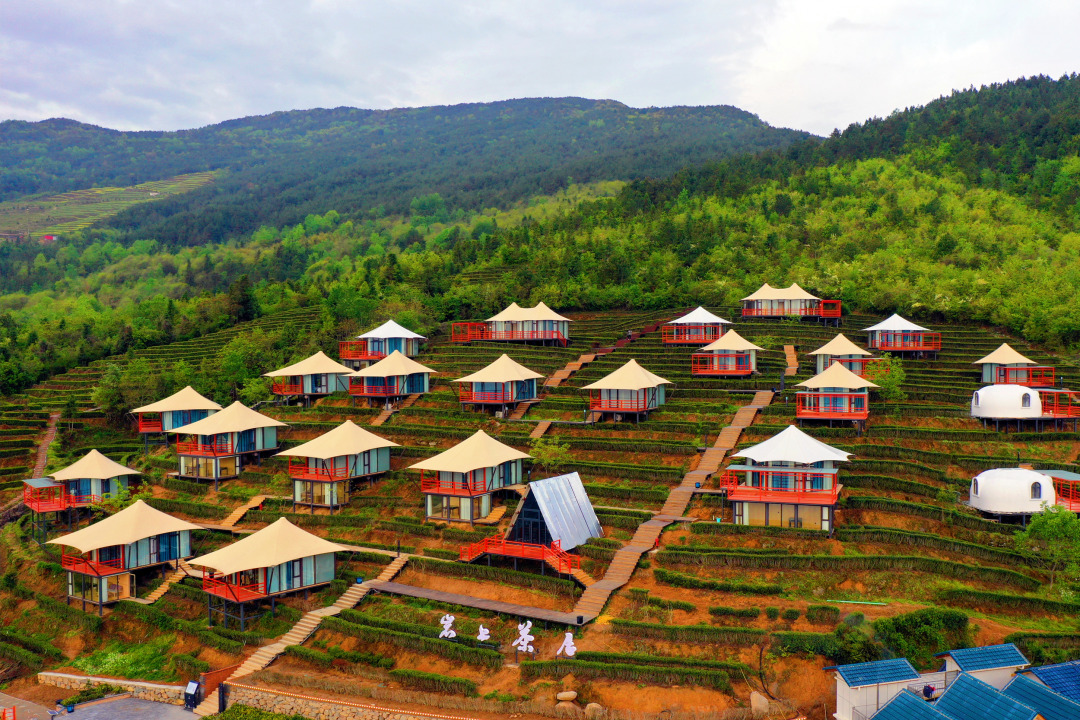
<point x="808" y="64"/>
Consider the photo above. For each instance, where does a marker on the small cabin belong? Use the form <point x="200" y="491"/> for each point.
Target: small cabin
<point x="697" y="327"/>
<point x="863" y="688"/>
<point x="994" y="665"/>
<point x="1050" y="704"/>
<point x="730" y="356"/>
<point x="390" y="379"/>
<point x="517" y="324"/>
<point x="1020" y="403"/>
<point x="180" y="408"/>
<point x="1011" y="492"/>
<point x="85" y="482"/>
<point x="845" y="352"/>
<point x="1005" y="366"/>
<point x="382" y="342"/>
<point x="836" y="394"/>
<point x="1062" y="678"/>
<point x="326" y="470"/>
<point x="503" y="382"/>
<point x="630" y="390"/>
<point x="317" y="375"/>
<point x="896" y="335"/>
<point x="790" y="480"/>
<point x="217" y="447"/>
<point x="278" y="560"/>
<point x="791" y="301"/>
<point x="458" y="483"/>
<point x="116" y="551"/>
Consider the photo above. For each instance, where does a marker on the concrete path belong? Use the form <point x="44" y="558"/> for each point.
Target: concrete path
<point x="131" y="709"/>
<point x="25" y="710"/>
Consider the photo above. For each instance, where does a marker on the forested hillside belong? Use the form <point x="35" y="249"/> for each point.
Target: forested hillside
<point x="284" y="166"/>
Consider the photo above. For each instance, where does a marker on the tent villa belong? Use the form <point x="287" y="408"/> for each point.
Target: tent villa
<point x="845" y="352"/>
<point x="694" y="328"/>
<point x="115" y="550"/>
<point x="458" y="483"/>
<point x="896" y="335"/>
<point x="379" y="343"/>
<point x="1005" y="366"/>
<point x="732" y="354"/>
<point x="768" y="301"/>
<point x="277" y="560"/>
<point x="1019" y="403"/>
<point x="327" y="469"/>
<point x="317" y="375"/>
<point x="629" y="390"/>
<point x="83" y="483"/>
<point x="180" y="408"/>
<point x="789" y="481"/>
<point x="503" y="382"/>
<point x="393" y="377"/>
<point x="517" y="324"/>
<point x="836" y="394"/>
<point x="218" y="446"/>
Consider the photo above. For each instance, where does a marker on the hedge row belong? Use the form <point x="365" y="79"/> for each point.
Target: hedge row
<point x="823" y="614"/>
<point x="714" y="528"/>
<point x="362" y="618"/>
<point x="627" y="492"/>
<point x="1006" y="602"/>
<point x="419" y="643"/>
<point x="887" y="482"/>
<point x="640" y="659"/>
<point x="336" y="654"/>
<point x="27" y="659"/>
<point x="896" y="466"/>
<point x="596" y="553"/>
<point x="202" y="510"/>
<point x="164" y="621"/>
<point x="189" y="666"/>
<point x="971" y="522"/>
<point x="40" y="647"/>
<point x="495" y="574"/>
<point x="825" y="644"/>
<point x="937" y="542"/>
<point x="689" y="633"/>
<point x="619" y="521"/>
<point x="434" y="682"/>
<point x="750" y="613"/>
<point x="650" y="674"/>
<point x="191" y="488"/>
<point x="690" y="581"/>
<point x="71" y="615"/>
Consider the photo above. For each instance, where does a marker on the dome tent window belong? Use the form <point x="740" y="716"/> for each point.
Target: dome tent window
<point x="1026" y="400"/>
<point x="1036" y="491"/>
<point x="975" y="486"/>
<point x="976" y="400"/>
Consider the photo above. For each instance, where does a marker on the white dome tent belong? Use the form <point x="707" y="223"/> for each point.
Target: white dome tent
<point x="1011" y="492"/>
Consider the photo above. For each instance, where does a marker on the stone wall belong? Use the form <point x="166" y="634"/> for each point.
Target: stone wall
<point x="294" y="704"/>
<point x="170" y="694"/>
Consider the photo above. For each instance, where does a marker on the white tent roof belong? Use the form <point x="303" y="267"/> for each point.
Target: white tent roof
<point x="732" y="340"/>
<point x="93" y="465"/>
<point x="275" y="544"/>
<point x="837" y="376"/>
<point x="630" y="376"/>
<point x="792" y="292"/>
<point x="186" y="399"/>
<point x="1004" y="355"/>
<point x="390" y="329"/>
<point x="792" y="445"/>
<point x="133" y="523"/>
<point x="235" y="418"/>
<point x="315" y="365"/>
<point x="519" y="314"/>
<point x="393" y="364"/>
<point x="765" y="292"/>
<point x="479" y="450"/>
<point x="504" y="369"/>
<point x="700" y="316"/>
<point x="840" y="345"/>
<point x="346" y="439"/>
<point x="895" y="323"/>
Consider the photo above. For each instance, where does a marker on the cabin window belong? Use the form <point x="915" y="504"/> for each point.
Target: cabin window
<point x="976" y="399"/>
<point x="1036" y="491"/>
<point x="975" y="486"/>
<point x="1025" y="401"/>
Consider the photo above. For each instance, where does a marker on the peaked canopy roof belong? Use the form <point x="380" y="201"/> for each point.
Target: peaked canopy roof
<point x="390" y="329"/>
<point x="479" y="450"/>
<point x="895" y="323"/>
<point x="566" y="510"/>
<point x="517" y="313"/>
<point x="393" y="364"/>
<point x="275" y="544"/>
<point x="700" y="316"/>
<point x="316" y="364"/>
<point x="133" y="523"/>
<point x="793" y="445"/>
<point x="95" y="466"/>
<point x="346" y="439"/>
<point x="792" y="292"/>
<point x="630" y="376"/>
<point x="235" y="418"/>
<point x="837" y="376"/>
<point x="1004" y="355"/>
<point x="503" y="369"/>
<point x="186" y="399"/>
<point x="840" y="345"/>
<point x="732" y="340"/>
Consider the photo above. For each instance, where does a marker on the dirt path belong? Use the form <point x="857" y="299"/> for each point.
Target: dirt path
<point x="46" y="441"/>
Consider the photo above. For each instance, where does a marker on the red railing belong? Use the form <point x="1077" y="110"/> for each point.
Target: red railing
<point x="553" y="554"/>
<point x="150" y="425"/>
<point x="468" y="395"/>
<point x="358" y="350"/>
<point x="86" y="566"/>
<point x="55" y="498"/>
<point x="212" y="679"/>
<point x="801" y="491"/>
<point x="430" y="482"/>
<point x="7" y="714"/>
<point x="635" y="404"/>
<point x="1029" y="375"/>
<point x="300" y="470"/>
<point x="467" y="332"/>
<point x="1059" y="404"/>
<point x="213" y="449"/>
<point x="233" y="591"/>
<point x="362" y="389"/>
<point x="908" y="341"/>
<point x="287" y="388"/>
<point x="720" y="364"/>
<point x="856" y="365"/>
<point x="691" y="333"/>
<point x="1068" y="492"/>
<point x="812" y="308"/>
<point x="832" y="406"/>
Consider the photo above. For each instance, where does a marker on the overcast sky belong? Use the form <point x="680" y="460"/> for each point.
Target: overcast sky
<point x="808" y="64"/>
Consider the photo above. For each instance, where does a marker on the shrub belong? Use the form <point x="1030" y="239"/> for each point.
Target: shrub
<point x="1005" y="602"/>
<point x="651" y="674"/>
<point x="790" y="614"/>
<point x="92" y="692"/>
<point x="689" y="633"/>
<point x="420" y="643"/>
<point x="823" y="614"/>
<point x="689" y="581"/>
<point x="433" y="682"/>
<point x="27" y="659"/>
<point x="189" y="666"/>
<point x="745" y="613"/>
<point x="772" y="612"/>
<point x="919" y="635"/>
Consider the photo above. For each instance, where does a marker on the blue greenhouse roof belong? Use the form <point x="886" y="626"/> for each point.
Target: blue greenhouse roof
<point x="986" y="657"/>
<point x="877" y="672"/>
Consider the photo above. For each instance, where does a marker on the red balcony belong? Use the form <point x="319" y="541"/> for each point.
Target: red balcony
<point x="635" y="404"/>
<point x="212" y="449"/>
<point x="358" y="388"/>
<point x="7" y="714"/>
<point x="468" y="395"/>
<point x="809" y="308"/>
<point x="720" y="364"/>
<point x="467" y="332"/>
<point x="908" y="341"/>
<point x="1029" y="375"/>
<point x="358" y="350"/>
<point x="57" y="498"/>
<point x="150" y="424"/>
<point x="86" y="566"/>
<point x="234" y="592"/>
<point x="801" y="491"/>
<point x="287" y="388"/>
<point x="300" y="470"/>
<point x="832" y="406"/>
<point x="553" y="554"/>
<point x="690" y="334"/>
<point x="1068" y="492"/>
<point x="1059" y="404"/>
<point x="431" y="483"/>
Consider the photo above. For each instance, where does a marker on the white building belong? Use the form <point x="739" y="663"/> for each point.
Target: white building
<point x="1011" y="491"/>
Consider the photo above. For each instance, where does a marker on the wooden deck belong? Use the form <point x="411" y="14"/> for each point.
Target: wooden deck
<point x="522" y="611"/>
<point x="792" y="361"/>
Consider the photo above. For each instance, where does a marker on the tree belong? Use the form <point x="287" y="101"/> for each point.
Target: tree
<point x="550" y="454"/>
<point x="1054" y="537"/>
<point x="255" y="390"/>
<point x="888" y="373"/>
<point x="122" y="498"/>
<point x="947" y="496"/>
<point x="242" y="303"/>
<point x="108" y="396"/>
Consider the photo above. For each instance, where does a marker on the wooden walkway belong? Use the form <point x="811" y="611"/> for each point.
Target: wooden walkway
<point x="792" y="361"/>
<point x="43" y="449"/>
<point x="523" y="407"/>
<point x="521" y="611"/>
<point x="540" y="429"/>
<point x="559" y="376"/>
<point x="389" y="412"/>
<point x="235" y="515"/>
